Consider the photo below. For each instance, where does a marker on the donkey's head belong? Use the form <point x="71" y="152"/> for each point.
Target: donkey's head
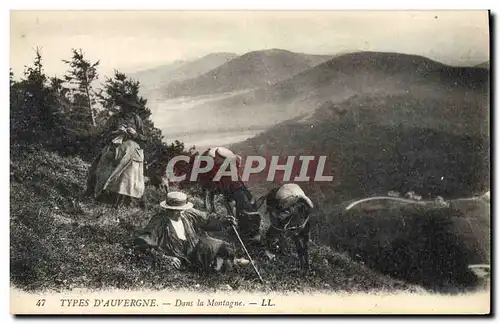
<point x="254" y="207"/>
<point x="247" y="212"/>
<point x="245" y="202"/>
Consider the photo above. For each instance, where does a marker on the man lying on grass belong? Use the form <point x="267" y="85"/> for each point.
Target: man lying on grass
<point x="178" y="231"/>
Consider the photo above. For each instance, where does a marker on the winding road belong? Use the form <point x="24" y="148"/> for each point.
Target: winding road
<point x="404" y="200"/>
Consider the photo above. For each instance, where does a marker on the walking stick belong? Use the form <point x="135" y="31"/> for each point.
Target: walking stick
<point x="229" y="210"/>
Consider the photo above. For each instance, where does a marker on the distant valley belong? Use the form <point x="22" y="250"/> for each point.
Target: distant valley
<point x="371" y="87"/>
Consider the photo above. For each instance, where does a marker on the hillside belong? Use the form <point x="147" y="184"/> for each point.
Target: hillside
<point x="424" y="244"/>
<point x="154" y="80"/>
<point x="251" y="70"/>
<point x="431" y="246"/>
<point x="371" y="72"/>
<point x="432" y="139"/>
<point x="371" y="158"/>
<point x="441" y="96"/>
<point x="58" y="243"/>
<point x="153" y="77"/>
<point x="451" y="114"/>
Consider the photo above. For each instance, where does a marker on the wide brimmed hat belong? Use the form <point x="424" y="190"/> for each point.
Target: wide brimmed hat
<point x="176" y="200"/>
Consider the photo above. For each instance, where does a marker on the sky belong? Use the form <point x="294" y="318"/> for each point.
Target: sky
<point x="134" y="40"/>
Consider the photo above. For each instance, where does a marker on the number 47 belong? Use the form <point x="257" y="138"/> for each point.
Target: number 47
<point x="40" y="302"/>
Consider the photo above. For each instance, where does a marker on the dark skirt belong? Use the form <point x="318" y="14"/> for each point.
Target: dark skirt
<point x="201" y="258"/>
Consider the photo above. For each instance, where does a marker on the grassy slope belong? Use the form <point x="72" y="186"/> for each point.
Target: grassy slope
<point x="58" y="245"/>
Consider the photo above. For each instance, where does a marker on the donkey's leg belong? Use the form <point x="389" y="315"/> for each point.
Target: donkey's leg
<point x="284" y="248"/>
<point x="305" y="236"/>
<point x="268" y="243"/>
<point x="300" y="250"/>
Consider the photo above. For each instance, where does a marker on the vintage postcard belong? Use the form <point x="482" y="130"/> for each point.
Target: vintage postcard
<point x="250" y="162"/>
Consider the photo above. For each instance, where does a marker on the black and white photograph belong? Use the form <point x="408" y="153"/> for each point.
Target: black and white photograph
<point x="250" y="162"/>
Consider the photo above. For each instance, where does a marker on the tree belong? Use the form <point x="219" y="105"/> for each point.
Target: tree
<point x="81" y="75"/>
<point x="121" y="88"/>
<point x="47" y="111"/>
<point x="61" y="93"/>
<point x="34" y="111"/>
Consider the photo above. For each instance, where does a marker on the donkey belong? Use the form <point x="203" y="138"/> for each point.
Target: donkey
<point x="246" y="210"/>
<point x="289" y="210"/>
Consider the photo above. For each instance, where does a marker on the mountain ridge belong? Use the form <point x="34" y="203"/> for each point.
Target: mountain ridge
<point x="154" y="80"/>
<point x="250" y="70"/>
<point x="411" y="80"/>
<point x="361" y="63"/>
